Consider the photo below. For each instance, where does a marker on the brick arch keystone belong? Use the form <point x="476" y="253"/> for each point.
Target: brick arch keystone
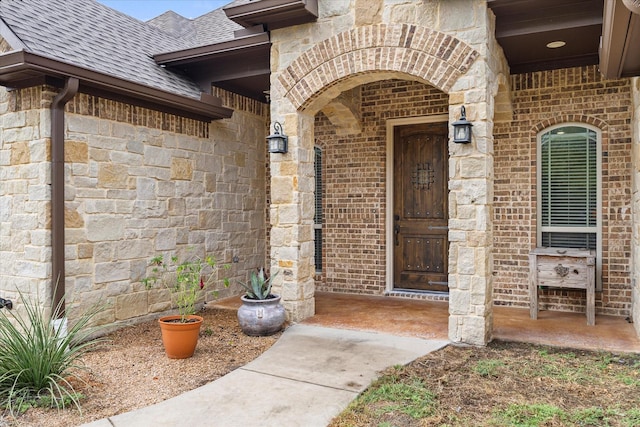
<point x="432" y="56"/>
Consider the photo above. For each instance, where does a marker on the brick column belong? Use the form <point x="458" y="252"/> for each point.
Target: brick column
<point x="292" y="210"/>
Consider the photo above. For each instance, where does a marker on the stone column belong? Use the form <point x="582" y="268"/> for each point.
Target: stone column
<point x="635" y="165"/>
<point x="292" y="210"/>
<point x="470" y="218"/>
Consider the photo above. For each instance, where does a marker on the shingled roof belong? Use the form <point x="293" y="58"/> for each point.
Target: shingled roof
<point x="210" y="28"/>
<point x="89" y="35"/>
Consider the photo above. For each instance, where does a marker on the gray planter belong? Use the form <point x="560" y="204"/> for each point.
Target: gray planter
<point x="261" y="317"/>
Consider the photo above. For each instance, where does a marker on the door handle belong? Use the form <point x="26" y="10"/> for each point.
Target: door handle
<point x="396" y="232"/>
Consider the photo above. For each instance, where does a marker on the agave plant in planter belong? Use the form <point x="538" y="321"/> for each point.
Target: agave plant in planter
<point x="261" y="312"/>
<point x="187" y="280"/>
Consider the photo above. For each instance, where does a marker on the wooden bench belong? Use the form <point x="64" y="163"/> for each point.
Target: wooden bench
<point x="564" y="268"/>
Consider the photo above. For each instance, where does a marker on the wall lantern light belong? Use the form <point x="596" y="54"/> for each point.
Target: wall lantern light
<point x="462" y="128"/>
<point x="278" y="140"/>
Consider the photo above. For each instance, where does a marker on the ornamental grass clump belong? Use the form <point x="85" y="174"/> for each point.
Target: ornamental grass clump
<point x="187" y="280"/>
<point x="38" y="361"/>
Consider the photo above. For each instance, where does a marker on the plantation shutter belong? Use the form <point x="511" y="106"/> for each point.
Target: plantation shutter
<point x="318" y="210"/>
<point x="568" y="187"/>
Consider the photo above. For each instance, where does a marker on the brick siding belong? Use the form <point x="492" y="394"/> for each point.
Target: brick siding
<point x="540" y="100"/>
<point x="354" y="179"/>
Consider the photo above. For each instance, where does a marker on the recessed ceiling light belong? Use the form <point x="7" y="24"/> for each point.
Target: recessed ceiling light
<point x="556" y="44"/>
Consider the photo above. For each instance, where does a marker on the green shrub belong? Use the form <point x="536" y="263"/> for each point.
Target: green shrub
<point x="37" y="360"/>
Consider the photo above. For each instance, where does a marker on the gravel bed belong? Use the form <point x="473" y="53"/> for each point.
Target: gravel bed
<point x="131" y="370"/>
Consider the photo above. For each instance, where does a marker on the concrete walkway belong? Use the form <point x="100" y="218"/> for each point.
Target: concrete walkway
<point x="305" y="379"/>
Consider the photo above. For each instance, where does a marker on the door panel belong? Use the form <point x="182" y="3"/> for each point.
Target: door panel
<point x="420" y="207"/>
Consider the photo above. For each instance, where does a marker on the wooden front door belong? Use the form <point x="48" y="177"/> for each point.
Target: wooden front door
<point x="420" y="213"/>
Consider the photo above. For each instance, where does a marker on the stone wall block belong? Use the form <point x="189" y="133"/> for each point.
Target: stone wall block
<point x="39" y="193"/>
<point x="76" y="151"/>
<point x="210" y="181"/>
<point x="20" y="153"/>
<point x="132" y="249"/>
<point x="73" y="219"/>
<point x="479" y="294"/>
<point x="166" y="240"/>
<point x="209" y="219"/>
<point x="113" y="176"/>
<point x="470" y="191"/>
<point x="81" y="124"/>
<point x="32" y="269"/>
<point x="85" y="250"/>
<point x="123" y="130"/>
<point x="104" y="228"/>
<point x="145" y="188"/>
<point x="474" y="167"/>
<point x="288" y="214"/>
<point x="126" y="158"/>
<point x="100" y="206"/>
<point x="181" y="169"/>
<point x="476" y="330"/>
<point x="462" y="224"/>
<point x="40" y="150"/>
<point x="39" y="237"/>
<point x="165" y="188"/>
<point x="290" y="291"/>
<point x="24" y="222"/>
<point x="14" y="120"/>
<point x="463" y="282"/>
<point x="177" y="206"/>
<point x="459" y="302"/>
<point x="135" y="147"/>
<point x="466" y="260"/>
<point x="111" y="271"/>
<point x="156" y="156"/>
<point x="282" y="189"/>
<point x="290" y="253"/>
<point x="131" y="305"/>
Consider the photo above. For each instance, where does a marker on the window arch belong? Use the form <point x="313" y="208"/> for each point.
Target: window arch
<point x="569" y="178"/>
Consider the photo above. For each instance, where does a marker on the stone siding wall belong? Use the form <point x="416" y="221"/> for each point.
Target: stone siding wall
<point x="540" y="100"/>
<point x="354" y="180"/>
<point x="25" y="196"/>
<point x="139" y="183"/>
<point x="635" y="167"/>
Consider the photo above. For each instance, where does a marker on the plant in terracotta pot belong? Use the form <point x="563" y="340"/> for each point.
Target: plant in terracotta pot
<point x="261" y="312"/>
<point x="187" y="280"/>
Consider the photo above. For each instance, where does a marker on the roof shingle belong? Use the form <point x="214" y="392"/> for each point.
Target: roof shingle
<point x="90" y="35"/>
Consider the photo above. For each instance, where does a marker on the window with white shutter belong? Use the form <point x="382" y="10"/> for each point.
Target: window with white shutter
<point x="569" y="187"/>
<point x="317" y="220"/>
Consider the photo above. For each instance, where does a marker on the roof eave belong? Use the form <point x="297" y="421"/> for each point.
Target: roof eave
<point x="620" y="43"/>
<point x="20" y="66"/>
<point x="273" y="13"/>
<point x="256" y="38"/>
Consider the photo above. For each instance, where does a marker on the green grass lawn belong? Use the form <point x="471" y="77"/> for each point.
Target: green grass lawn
<point x="503" y="384"/>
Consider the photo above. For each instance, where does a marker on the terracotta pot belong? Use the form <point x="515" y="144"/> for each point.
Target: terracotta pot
<point x="261" y="317"/>
<point x="180" y="339"/>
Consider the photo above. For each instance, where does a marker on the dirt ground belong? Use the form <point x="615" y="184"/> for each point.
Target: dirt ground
<point x="469" y="385"/>
<point x="465" y="386"/>
<point x="132" y="371"/>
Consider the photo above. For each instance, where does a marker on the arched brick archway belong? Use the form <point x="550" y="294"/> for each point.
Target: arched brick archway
<point x="314" y="78"/>
<point x="362" y="54"/>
